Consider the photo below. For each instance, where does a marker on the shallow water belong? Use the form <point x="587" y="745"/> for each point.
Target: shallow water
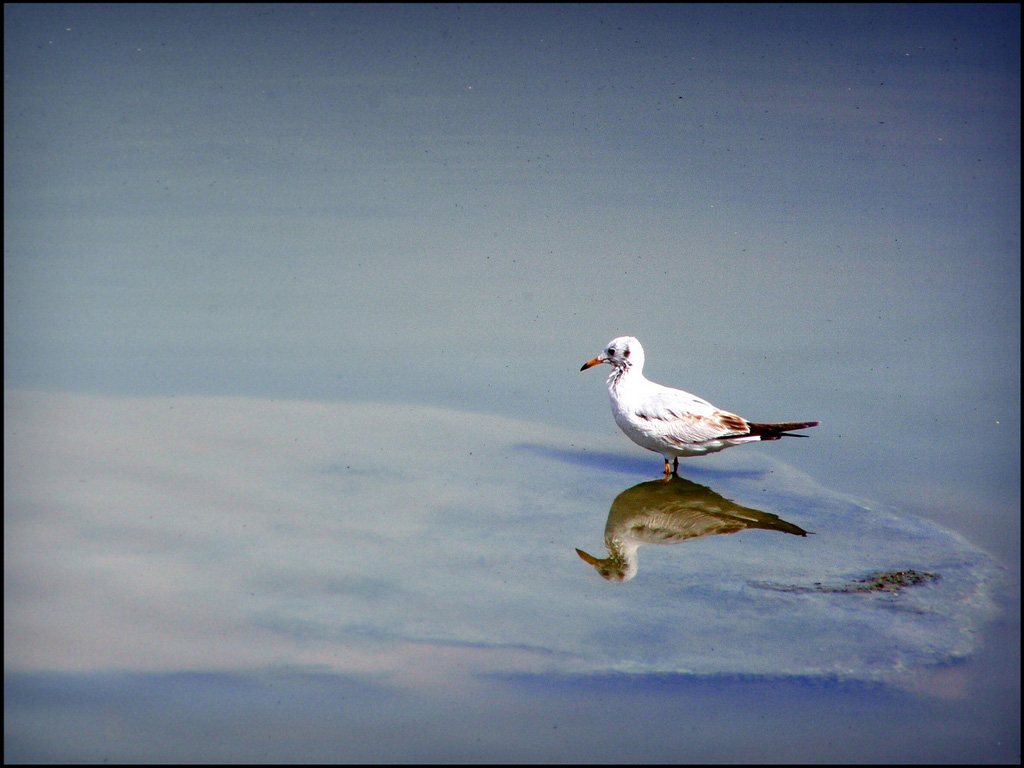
<point x="298" y="455"/>
<point x="160" y="535"/>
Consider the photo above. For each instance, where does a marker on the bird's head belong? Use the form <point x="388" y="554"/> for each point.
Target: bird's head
<point x="611" y="568"/>
<point x="622" y="352"/>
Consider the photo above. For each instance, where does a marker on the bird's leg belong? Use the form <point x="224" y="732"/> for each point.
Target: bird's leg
<point x="668" y="469"/>
<point x="675" y="466"/>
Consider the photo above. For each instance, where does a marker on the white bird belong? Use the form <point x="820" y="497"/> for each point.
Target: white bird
<point x="670" y="421"/>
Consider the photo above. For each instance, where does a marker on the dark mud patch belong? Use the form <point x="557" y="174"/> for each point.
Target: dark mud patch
<point x="886" y="581"/>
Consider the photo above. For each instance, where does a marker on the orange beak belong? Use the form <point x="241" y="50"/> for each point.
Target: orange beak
<point x="592" y="363"/>
<point x="586" y="558"/>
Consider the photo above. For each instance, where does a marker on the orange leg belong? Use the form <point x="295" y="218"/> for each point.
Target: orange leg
<point x="669" y="470"/>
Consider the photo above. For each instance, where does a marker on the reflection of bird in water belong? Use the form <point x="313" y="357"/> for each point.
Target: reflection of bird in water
<point x="660" y="512"/>
<point x="669" y="421"/>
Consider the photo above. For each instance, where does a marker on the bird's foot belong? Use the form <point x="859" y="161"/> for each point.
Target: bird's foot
<point x="671" y="469"/>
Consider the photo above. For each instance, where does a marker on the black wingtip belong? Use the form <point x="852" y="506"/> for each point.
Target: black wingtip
<point x="775" y="431"/>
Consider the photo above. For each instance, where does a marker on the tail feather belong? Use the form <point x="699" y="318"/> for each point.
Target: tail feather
<point x="775" y="431"/>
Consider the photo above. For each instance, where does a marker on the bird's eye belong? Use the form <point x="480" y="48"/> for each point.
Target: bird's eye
<point x="610" y="351"/>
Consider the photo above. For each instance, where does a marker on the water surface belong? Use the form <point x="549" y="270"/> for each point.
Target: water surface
<point x="298" y="454"/>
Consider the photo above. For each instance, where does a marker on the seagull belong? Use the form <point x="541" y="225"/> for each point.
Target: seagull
<point x="670" y="421"/>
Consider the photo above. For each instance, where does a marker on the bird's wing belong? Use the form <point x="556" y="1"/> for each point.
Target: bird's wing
<point x="686" y="418"/>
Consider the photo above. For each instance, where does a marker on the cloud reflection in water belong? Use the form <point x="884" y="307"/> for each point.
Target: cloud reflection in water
<point x="242" y="534"/>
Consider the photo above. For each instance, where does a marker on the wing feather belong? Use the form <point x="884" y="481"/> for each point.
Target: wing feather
<point x="684" y="418"/>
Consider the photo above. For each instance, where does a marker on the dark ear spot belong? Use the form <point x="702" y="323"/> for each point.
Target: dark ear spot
<point x="625" y="352"/>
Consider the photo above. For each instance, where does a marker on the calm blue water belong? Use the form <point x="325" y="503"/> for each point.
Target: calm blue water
<point x="297" y="449"/>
